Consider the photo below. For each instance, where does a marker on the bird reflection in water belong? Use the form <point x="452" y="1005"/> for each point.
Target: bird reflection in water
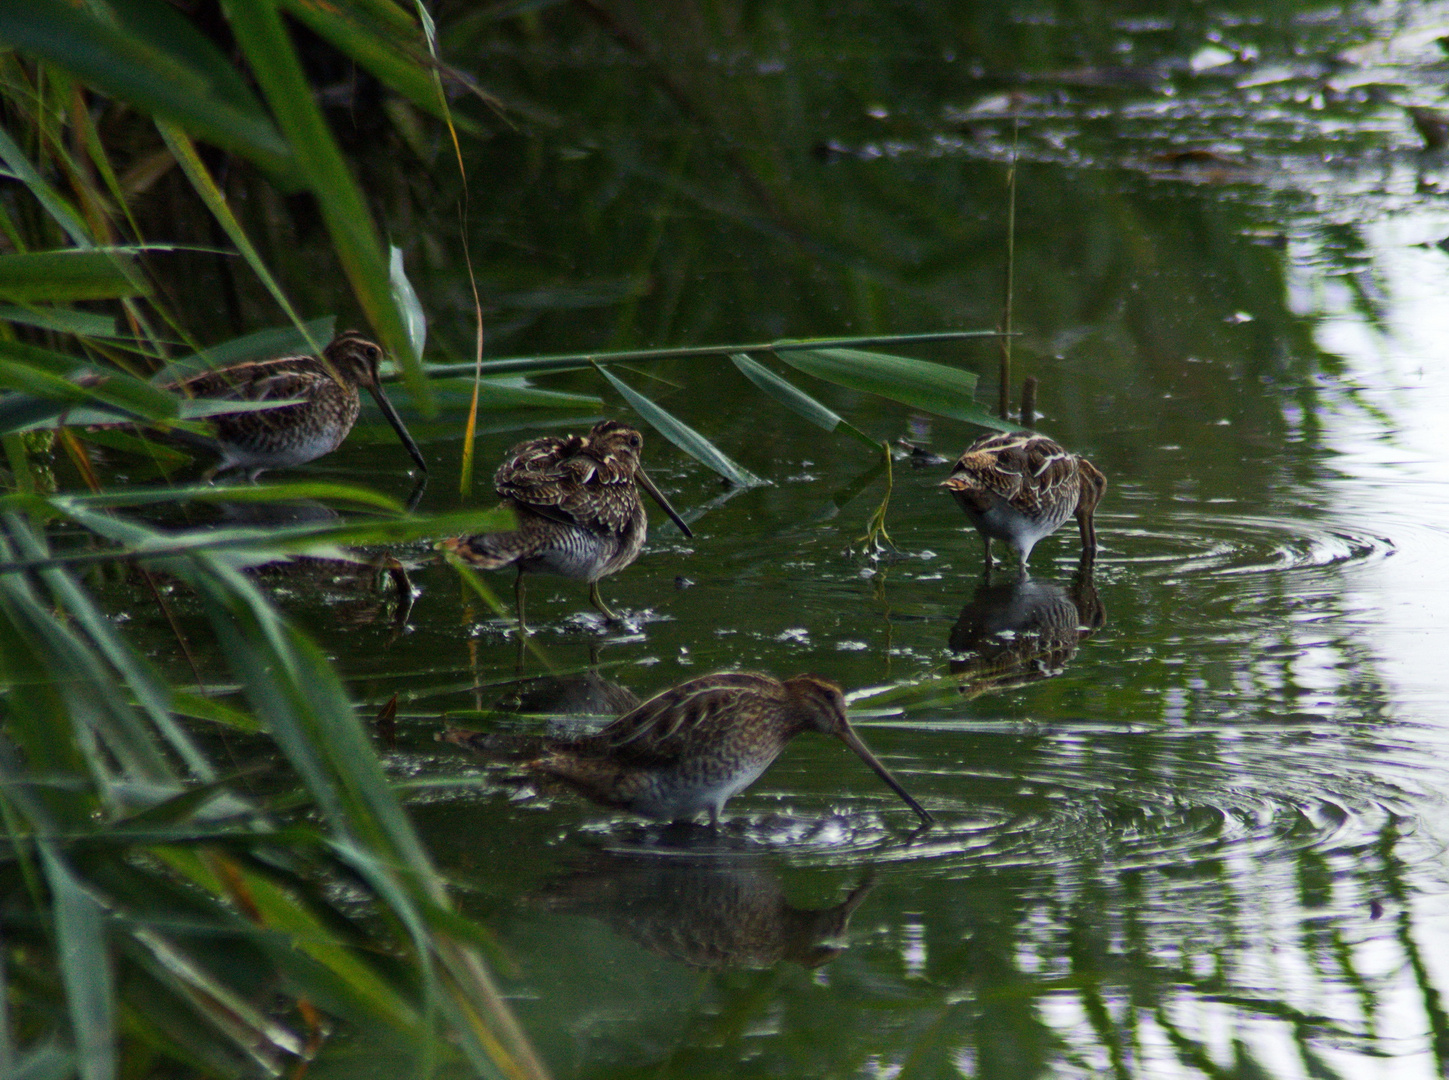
<point x="715" y="914"/>
<point x="1021" y="631"/>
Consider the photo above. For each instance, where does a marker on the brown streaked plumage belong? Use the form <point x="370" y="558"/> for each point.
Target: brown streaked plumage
<point x="695" y="746"/>
<point x="578" y="507"/>
<point x="1020" y="487"/>
<point x="295" y="434"/>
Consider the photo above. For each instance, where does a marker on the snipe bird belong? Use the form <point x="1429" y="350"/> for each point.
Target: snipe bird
<point x="1020" y="487"/>
<point x="579" y="514"/>
<point x="293" y="435"/>
<point x="697" y="745"/>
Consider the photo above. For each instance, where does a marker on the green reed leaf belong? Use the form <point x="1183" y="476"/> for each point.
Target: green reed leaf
<point x="682" y="435"/>
<point x="64" y="321"/>
<point x="921" y="384"/>
<point x="42" y="277"/>
<point x="56" y="205"/>
<point x="268" y="47"/>
<point x="47" y="373"/>
<point x="85" y="968"/>
<point x="158" y="62"/>
<point x="797" y="401"/>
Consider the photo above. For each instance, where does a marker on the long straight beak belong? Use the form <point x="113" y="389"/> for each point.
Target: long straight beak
<point x="648" y="485"/>
<point x="851" y="739"/>
<point x="397" y="425"/>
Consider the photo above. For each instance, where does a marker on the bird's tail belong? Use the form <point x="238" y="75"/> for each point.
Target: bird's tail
<point x="488" y="550"/>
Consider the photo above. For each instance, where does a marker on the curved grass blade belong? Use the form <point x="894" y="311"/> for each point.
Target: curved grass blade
<point x="149" y="689"/>
<point x="263" y="38"/>
<point x="682" y="435"/>
<point x="46" y="373"/>
<point x="164" y="76"/>
<point x="293" y="491"/>
<point x="64" y="321"/>
<point x="921" y="384"/>
<point x="59" y="209"/>
<point x="525" y="365"/>
<point x="797" y="401"/>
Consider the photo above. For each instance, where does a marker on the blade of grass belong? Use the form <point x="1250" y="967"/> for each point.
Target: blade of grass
<point x="183" y="150"/>
<point x="933" y="388"/>
<point x="572" y="361"/>
<point x="85" y="968"/>
<point x="63" y="320"/>
<point x="59" y="209"/>
<point x="682" y="435"/>
<point x="268" y="47"/>
<point x="799" y="402"/>
<point x="69" y="274"/>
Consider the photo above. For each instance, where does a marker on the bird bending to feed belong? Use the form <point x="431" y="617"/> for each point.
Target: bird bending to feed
<point x="697" y="745"/>
<point x="294" y="434"/>
<point x="579" y="514"/>
<point x="1020" y="487"/>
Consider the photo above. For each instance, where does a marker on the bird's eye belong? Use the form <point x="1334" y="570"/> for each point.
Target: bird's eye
<point x="635" y="441"/>
<point x="374" y="353"/>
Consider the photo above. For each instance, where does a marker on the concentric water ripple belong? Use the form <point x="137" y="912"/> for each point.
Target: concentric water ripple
<point x="1197" y="543"/>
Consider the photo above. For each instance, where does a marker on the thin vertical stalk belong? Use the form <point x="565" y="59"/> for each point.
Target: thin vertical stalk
<point x="1004" y="393"/>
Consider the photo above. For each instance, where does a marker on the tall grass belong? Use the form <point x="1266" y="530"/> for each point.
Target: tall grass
<point x="161" y="913"/>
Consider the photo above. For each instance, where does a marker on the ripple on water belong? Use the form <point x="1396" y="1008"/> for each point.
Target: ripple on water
<point x="1195" y="543"/>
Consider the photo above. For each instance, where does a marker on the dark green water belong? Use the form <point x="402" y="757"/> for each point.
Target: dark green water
<point x="1204" y="836"/>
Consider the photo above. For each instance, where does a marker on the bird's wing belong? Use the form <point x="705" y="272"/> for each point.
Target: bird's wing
<point x="263" y="380"/>
<point x="555" y="478"/>
<point x="662" y="728"/>
<point x="1050" y="467"/>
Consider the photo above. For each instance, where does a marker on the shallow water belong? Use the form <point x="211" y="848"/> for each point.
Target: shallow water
<point x="1191" y="810"/>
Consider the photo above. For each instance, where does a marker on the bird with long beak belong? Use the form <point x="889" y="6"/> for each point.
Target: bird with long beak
<point x="327" y="407"/>
<point x="696" y="745"/>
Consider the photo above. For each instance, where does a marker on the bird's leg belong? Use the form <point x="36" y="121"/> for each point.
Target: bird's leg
<point x="598" y="602"/>
<point x="518" y="592"/>
<point x="714" y="818"/>
<point x="986" y="545"/>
